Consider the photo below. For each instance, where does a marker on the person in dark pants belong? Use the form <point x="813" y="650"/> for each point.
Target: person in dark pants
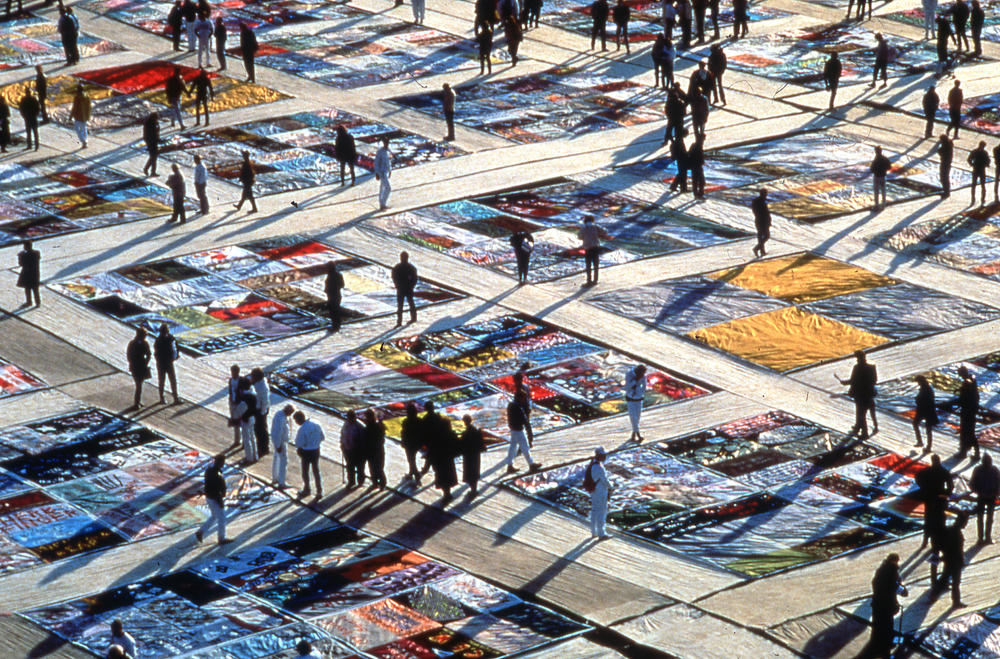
<point x="996" y="173"/>
<point x="175" y="21"/>
<point x="345" y="151"/>
<point x="678" y="153"/>
<point x="713" y="10"/>
<point x="352" y="448"/>
<point x="699" y="7"/>
<point x="334" y="285"/>
<point x="926" y="411"/>
<point x="717" y="64"/>
<point x="968" y="410"/>
<point x="138" y="355"/>
<point x="151" y="138"/>
<point x="886" y="586"/>
<point x="178" y="192"/>
<point x="513" y="36"/>
<point x="761" y="222"/>
<point x="621" y="14"/>
<point x="404" y="278"/>
<point x="675" y="107"/>
<point x="215" y="497"/>
<point x="262" y="392"/>
<point x="411" y="436"/>
<point x="832" y="71"/>
<point x="248" y="49"/>
<point x="881" y="60"/>
<point x="441" y="443"/>
<point x="374" y="441"/>
<point x="472" y="445"/>
<point x="741" y="18"/>
<point x="42" y="90"/>
<point x="979" y="161"/>
<point x="448" y="107"/>
<point x="220" y="42"/>
<point x="879" y="168"/>
<point x="946" y="152"/>
<point x="201" y="184"/>
<point x="486" y="11"/>
<point x="247" y="177"/>
<point x="30" y="277"/>
<point x="953" y="560"/>
<point x="599" y="11"/>
<point x="28" y="107"/>
<point x="696" y="165"/>
<point x="943" y="33"/>
<point x="977" y="18"/>
<point x="934" y="486"/>
<point x="960" y="18"/>
<point x="524" y="387"/>
<point x="203" y="92"/>
<point x="931" y="102"/>
<point x="69" y="33"/>
<point x="590" y="241"/>
<point x="684" y="17"/>
<point x="699" y="113"/>
<point x="523" y="244"/>
<point x="308" y="441"/>
<point x="862" y="383"/>
<point x="484" y="39"/>
<point x="4" y="125"/>
<point x="174" y="89"/>
<point x="165" y="353"/>
<point x="955" y="99"/>
<point x="985" y="484"/>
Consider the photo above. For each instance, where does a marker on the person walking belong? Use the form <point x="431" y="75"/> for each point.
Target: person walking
<point x="262" y="392"/>
<point x="675" y="107"/>
<point x="832" y="71"/>
<point x="151" y="138"/>
<point x="761" y="222"/>
<point x="404" y="278"/>
<point x="442" y="444"/>
<point x="930" y="15"/>
<point x="517" y="421"/>
<point x="178" y="192"/>
<point x="513" y="36"/>
<point x="4" y="125"/>
<point x="138" y="355"/>
<point x="175" y="22"/>
<point x="717" y="64"/>
<point x="635" y="393"/>
<point x="69" y="33"/>
<point x="308" y="440"/>
<point x="522" y="244"/>
<point x="595" y="481"/>
<point x="80" y="114"/>
<point x="220" y="42"/>
<point x="968" y="411"/>
<point x="955" y="99"/>
<point x="29" y="260"/>
<point x="122" y="638"/>
<point x="696" y="165"/>
<point x="233" y="396"/>
<point x="352" y="449"/>
<point x="448" y="107"/>
<point x="862" y="383"/>
<point x="960" y="18"/>
<point x="484" y="40"/>
<point x="42" y="91"/>
<point x="886" y="587"/>
<point x="201" y="184"/>
<point x="953" y="560"/>
<point x="599" y="11"/>
<point x="383" y="170"/>
<point x="590" y="242"/>
<point x="946" y="152"/>
<point x="931" y="102"/>
<point x="881" y="60"/>
<point x="521" y="384"/>
<point x="621" y="14"/>
<point x="926" y="411"/>
<point x="345" y="152"/>
<point x="203" y="92"/>
<point x="203" y="31"/>
<point x="979" y="161"/>
<point x="175" y="88"/>
<point x="943" y="34"/>
<point x="215" y="497"/>
<point x="247" y="177"/>
<point x="879" y="168"/>
<point x="411" y="436"/>
<point x="243" y="417"/>
<point x="165" y="353"/>
<point x="473" y="445"/>
<point x="280" y="427"/>
<point x="985" y="484"/>
<point x="333" y="285"/>
<point x="248" y="49"/>
<point x="934" y="486"/>
<point x="374" y="443"/>
<point x="29" y="109"/>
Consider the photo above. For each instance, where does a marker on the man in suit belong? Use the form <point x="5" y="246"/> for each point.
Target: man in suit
<point x="138" y="355"/>
<point x="30" y="278"/>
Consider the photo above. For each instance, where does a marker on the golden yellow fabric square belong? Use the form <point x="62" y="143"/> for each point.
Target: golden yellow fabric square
<point x="787" y="338"/>
<point x="802" y="278"/>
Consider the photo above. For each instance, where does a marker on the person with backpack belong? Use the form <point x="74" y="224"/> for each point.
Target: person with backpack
<point x="595" y="481"/>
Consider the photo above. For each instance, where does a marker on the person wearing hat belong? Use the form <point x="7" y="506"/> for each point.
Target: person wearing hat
<point x="596" y="482"/>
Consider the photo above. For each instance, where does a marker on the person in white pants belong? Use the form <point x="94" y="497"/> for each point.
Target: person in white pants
<point x="599" y="495"/>
<point x="517" y="421"/>
<point x="204" y="30"/>
<point x="383" y="170"/>
<point x="635" y="392"/>
<point x="215" y="496"/>
<point x="244" y="416"/>
<point x="930" y="18"/>
<point x="418" y="12"/>
<point x="279" y="440"/>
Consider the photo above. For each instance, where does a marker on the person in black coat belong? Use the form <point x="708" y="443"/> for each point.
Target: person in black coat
<point x="946" y="152"/>
<point x="717" y="64"/>
<point x="247" y="177"/>
<point x="42" y="90"/>
<point x="953" y="559"/>
<point x="621" y="14"/>
<point x="138" y="355"/>
<point x="955" y="100"/>
<point x="4" y="125"/>
<point x="832" y="71"/>
<point x="203" y="92"/>
<point x="472" y="445"/>
<point x="523" y="244"/>
<point x="178" y="191"/>
<point x="926" y="411"/>
<point x="248" y="49"/>
<point x="440" y="440"/>
<point x="977" y="18"/>
<point x="985" y="484"/>
<point x="411" y="436"/>
<point x="979" y="161"/>
<point x="675" y="108"/>
<point x="741" y="18"/>
<point x="484" y="40"/>
<point x="934" y="485"/>
<point x="334" y="285"/>
<point x="69" y="32"/>
<point x="220" y="42"/>
<point x="886" y="586"/>
<point x="931" y="102"/>
<point x="175" y="21"/>
<point x="960" y="17"/>
<point x="30" y="276"/>
<point x="943" y="33"/>
<point x="699" y="113"/>
<point x="599" y="11"/>
<point x="151" y="138"/>
<point x="696" y="165"/>
<point x="374" y="442"/>
<point x="165" y="353"/>
<point x="699" y="7"/>
<point x="761" y="222"/>
<point x="404" y="278"/>
<point x="968" y="410"/>
<point x="862" y="383"/>
<point x="678" y="152"/>
<point x="346" y="153"/>
<point x="29" y="109"/>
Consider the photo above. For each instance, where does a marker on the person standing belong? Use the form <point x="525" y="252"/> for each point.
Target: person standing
<point x="189" y="9"/>
<point x="473" y="445"/>
<point x="4" y="125"/>
<point x="411" y="436"/>
<point x="930" y="14"/>
<point x="521" y="384"/>
<point x="886" y="586"/>
<point x="590" y="241"/>
<point x="699" y="7"/>
<point x="203" y="92"/>
<point x="29" y="278"/>
<point x="862" y="383"/>
<point x="308" y="440"/>
<point x="220" y="42"/>
<point x="931" y="101"/>
<point x="761" y="222"/>
<point x="215" y="497"/>
<point x="334" y="285"/>
<point x="233" y="396"/>
<point x="741" y="19"/>
<point x="533" y="12"/>
<point x="178" y="192"/>
<point x="717" y="64"/>
<point x="419" y="10"/>
<point x="599" y="10"/>
<point x="635" y="393"/>
<point x="374" y="443"/>
<point x="656" y="53"/>
<point x="175" y="88"/>
<point x="280" y="426"/>
<point x="448" y="106"/>
<point x="979" y="161"/>
<point x="881" y="60"/>
<point x="305" y="650"/>
<point x="934" y="486"/>
<point x="968" y="410"/>
<point x="683" y="8"/>
<point x="513" y="35"/>
<point x="832" y="71"/>
<point x="701" y="81"/>
<point x="675" y="107"/>
<point x="977" y="18"/>
<point x="985" y="484"/>
<point x="943" y="33"/>
<point x="517" y="421"/>
<point x="80" y="114"/>
<point x="247" y="177"/>
<point x="678" y="153"/>
<point x="621" y="14"/>
<point x="669" y="18"/>
<point x="595" y="481"/>
<point x="926" y="411"/>
<point x="122" y="638"/>
<point x="946" y="152"/>
<point x="243" y="417"/>
<point x="879" y="168"/>
<point x="996" y="173"/>
<point x="383" y="170"/>
<point x="42" y="91"/>
<point x="404" y="278"/>
<point x="138" y="355"/>
<point x="960" y="17"/>
<point x="345" y="152"/>
<point x="69" y="33"/>
<point x="204" y="30"/>
<point x="696" y="165"/>
<point x="248" y="49"/>
<point x="713" y="9"/>
<point x="955" y="99"/>
<point x="262" y="392"/>
<point x="441" y="442"/>
<point x="175" y="21"/>
<point x="352" y="449"/>
<point x="201" y="184"/>
<point x="523" y="244"/>
<point x="29" y="109"/>
<point x="165" y="353"/>
<point x="151" y="138"/>
<point x="484" y="40"/>
<point x="953" y="559"/>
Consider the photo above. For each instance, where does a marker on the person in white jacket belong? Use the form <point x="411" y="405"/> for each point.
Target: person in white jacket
<point x="598" y="495"/>
<point x="383" y="170"/>
<point x="279" y="440"/>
